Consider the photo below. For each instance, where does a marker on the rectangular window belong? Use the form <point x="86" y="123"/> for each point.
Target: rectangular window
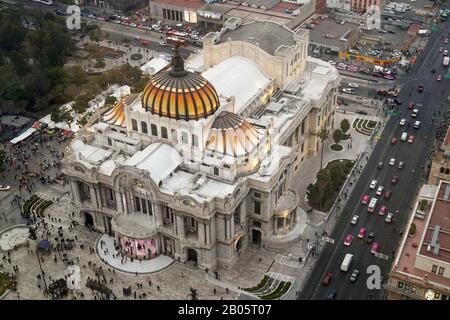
<point x="303" y="147"/>
<point x="154" y="130"/>
<point x="434" y="268"/>
<point x="303" y="127"/>
<point x="257" y="195"/>
<point x="194" y="140"/>
<point x="441" y="271"/>
<point x="174" y="135"/>
<point x="109" y="142"/>
<point x="137" y="203"/>
<point x="134" y="125"/>
<point x="164" y="132"/>
<point x="225" y="228"/>
<point x="164" y="14"/>
<point x="184" y="137"/>
<point x="144" y="127"/>
<point x="437" y="295"/>
<point x="257" y="207"/>
<point x="150" y="209"/>
<point x="144" y="207"/>
<point x="400" y="285"/>
<point x="413" y="289"/>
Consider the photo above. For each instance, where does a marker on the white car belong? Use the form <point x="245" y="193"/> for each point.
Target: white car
<point x="332" y="62"/>
<point x="355" y="219"/>
<point x="197" y="51"/>
<point x="392" y="162"/>
<point x="349" y="90"/>
<point x="417" y="125"/>
<point x="353" y="85"/>
<point x="4" y="188"/>
<point x="445" y="52"/>
<point x="388" y="218"/>
<point x="373" y="184"/>
<point x="402" y="122"/>
<point x="163" y="44"/>
<point x="379" y="191"/>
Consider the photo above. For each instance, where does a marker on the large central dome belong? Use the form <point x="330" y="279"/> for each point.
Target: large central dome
<point x="179" y="94"/>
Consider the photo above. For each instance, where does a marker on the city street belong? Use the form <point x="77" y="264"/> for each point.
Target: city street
<point x="415" y="156"/>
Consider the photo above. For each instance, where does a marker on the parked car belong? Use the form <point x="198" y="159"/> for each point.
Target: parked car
<point x="416" y="124"/>
<point x="332" y="293"/>
<point x="403" y="121"/>
<point x="4" y="187"/>
<point x="353" y="85"/>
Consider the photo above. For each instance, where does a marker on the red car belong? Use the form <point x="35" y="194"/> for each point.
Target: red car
<point x="362" y="233"/>
<point x="382" y="210"/>
<point x="411" y="105"/>
<point x="439" y="77"/>
<point x="365" y="199"/>
<point x="411" y="139"/>
<point x="348" y="239"/>
<point x="394" y="140"/>
<point x="387" y="195"/>
<point x="327" y="278"/>
<point x="375" y="247"/>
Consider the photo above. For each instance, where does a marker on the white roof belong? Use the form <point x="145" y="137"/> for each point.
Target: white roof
<point x="154" y="66"/>
<point x="158" y="159"/>
<point x="90" y="154"/>
<point x="195" y="62"/>
<point x="239" y="77"/>
<point x="317" y="79"/>
<point x="23" y="136"/>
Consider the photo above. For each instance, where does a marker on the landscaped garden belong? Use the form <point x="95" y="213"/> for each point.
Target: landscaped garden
<point x="364" y="126"/>
<point x="270" y="288"/>
<point x="36" y="206"/>
<point x="322" y="194"/>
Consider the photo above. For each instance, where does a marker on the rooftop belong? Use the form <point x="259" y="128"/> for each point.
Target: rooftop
<point x="446" y="144"/>
<point x="191" y="4"/>
<point x="269" y="35"/>
<point x="329" y="32"/>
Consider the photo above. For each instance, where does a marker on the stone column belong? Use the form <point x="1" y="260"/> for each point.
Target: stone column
<point x="158" y="214"/>
<point x="119" y="202"/>
<point x="275" y="226"/>
<point x="125" y="205"/>
<point x="99" y="197"/>
<point x="76" y="192"/>
<point x="201" y="233"/>
<point x="208" y="234"/>
<point x="231" y="224"/>
<point x="180" y="226"/>
<point x="93" y="197"/>
<point x="212" y="229"/>
<point x="284" y="224"/>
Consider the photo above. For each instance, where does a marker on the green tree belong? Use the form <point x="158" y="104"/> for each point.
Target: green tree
<point x="110" y="101"/>
<point x="2" y="160"/>
<point x="337" y="136"/>
<point x="345" y="125"/>
<point x="323" y="135"/>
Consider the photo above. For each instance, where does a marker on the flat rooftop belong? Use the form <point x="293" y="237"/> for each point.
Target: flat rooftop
<point x="328" y="32"/>
<point x="192" y="4"/>
<point x="270" y="36"/>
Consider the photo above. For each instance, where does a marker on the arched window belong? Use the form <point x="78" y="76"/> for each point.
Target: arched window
<point x="174" y="135"/>
<point x="216" y="171"/>
<point x="184" y="137"/>
<point x="134" y="125"/>
<point x="194" y="140"/>
<point x="447" y="171"/>
<point x="164" y="132"/>
<point x="154" y="130"/>
<point x="144" y="127"/>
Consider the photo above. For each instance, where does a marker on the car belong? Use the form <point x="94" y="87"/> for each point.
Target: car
<point x="373" y="184"/>
<point x="401" y="164"/>
<point x="365" y="199"/>
<point x="392" y="162"/>
<point x="411" y="105"/>
<point x="370" y="237"/>
<point x="416" y="124"/>
<point x="354" y="276"/>
<point x="402" y="121"/>
<point x="420" y="88"/>
<point x="394" y="179"/>
<point x="382" y="211"/>
<point x="348" y="239"/>
<point x="362" y="233"/>
<point x="388" y="218"/>
<point x="394" y="140"/>
<point x="374" y="247"/>
<point x="411" y="139"/>
<point x="163" y="44"/>
<point x="379" y="191"/>
<point x="433" y="70"/>
<point x="332" y="62"/>
<point x="4" y="187"/>
<point x="327" y="278"/>
<point x="404" y="136"/>
<point x="445" y="52"/>
<point x="380" y="165"/>
<point x="354" y="220"/>
<point x="414" y="113"/>
<point x="439" y="77"/>
<point x="341" y="67"/>
<point x="353" y="85"/>
<point x="387" y="194"/>
<point x="348" y="90"/>
<point x="441" y="49"/>
<point x="197" y="51"/>
<point x="134" y="25"/>
<point x="446" y="41"/>
<point x="389" y="77"/>
<point x="332" y="293"/>
<point x="352" y="69"/>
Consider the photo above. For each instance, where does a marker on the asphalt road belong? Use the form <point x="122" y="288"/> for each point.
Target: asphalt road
<point x="415" y="156"/>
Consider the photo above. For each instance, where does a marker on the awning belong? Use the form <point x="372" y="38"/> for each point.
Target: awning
<point x="44" y="245"/>
<point x="23" y="136"/>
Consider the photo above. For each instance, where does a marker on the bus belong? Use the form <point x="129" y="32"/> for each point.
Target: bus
<point x="176" y="41"/>
<point x="47" y="2"/>
<point x="178" y="34"/>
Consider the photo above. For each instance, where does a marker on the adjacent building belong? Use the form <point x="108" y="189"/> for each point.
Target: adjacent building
<point x="422" y="267"/>
<point x="200" y="164"/>
<point x="440" y="166"/>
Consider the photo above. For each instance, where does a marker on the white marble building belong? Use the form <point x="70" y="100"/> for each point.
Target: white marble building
<point x="200" y="164"/>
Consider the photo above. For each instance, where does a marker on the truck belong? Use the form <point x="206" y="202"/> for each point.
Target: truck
<point x="346" y="262"/>
<point x="446" y="61"/>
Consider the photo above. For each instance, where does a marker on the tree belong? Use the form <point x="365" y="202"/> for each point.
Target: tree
<point x="323" y="135"/>
<point x="110" y="100"/>
<point x="345" y="125"/>
<point x="337" y="136"/>
<point x="2" y="160"/>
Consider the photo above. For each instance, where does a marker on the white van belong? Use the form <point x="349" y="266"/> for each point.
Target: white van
<point x="372" y="205"/>
<point x="404" y="136"/>
<point x="346" y="262"/>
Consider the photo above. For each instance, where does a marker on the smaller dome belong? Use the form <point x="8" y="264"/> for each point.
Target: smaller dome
<point x="231" y="135"/>
<point x="116" y="114"/>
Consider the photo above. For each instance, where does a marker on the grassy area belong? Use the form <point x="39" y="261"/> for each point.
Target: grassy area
<point x="34" y="199"/>
<point x="282" y="288"/>
<point x="336" y="147"/>
<point x="5" y="282"/>
<point x="259" y="285"/>
<point x="371" y="124"/>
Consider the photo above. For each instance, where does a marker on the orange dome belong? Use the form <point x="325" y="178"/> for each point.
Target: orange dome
<point x="180" y="94"/>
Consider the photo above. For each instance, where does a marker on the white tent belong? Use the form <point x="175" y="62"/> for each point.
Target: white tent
<point x="23" y="136"/>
